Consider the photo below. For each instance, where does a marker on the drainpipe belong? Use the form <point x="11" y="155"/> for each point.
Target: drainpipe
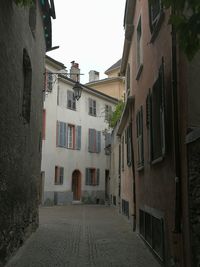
<point x="177" y="217"/>
<point x="133" y="171"/>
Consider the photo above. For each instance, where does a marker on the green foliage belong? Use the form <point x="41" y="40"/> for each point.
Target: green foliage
<point x="186" y="21"/>
<point x="116" y="115"/>
<point x="24" y="3"/>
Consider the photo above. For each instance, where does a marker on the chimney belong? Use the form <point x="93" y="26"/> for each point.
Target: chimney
<point x="75" y="71"/>
<point x="93" y="76"/>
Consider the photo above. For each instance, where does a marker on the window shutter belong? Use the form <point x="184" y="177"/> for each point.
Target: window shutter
<point x="61" y="175"/>
<point x="69" y="99"/>
<point x="90" y="106"/>
<point x="58" y="134"/>
<point x="142" y="145"/>
<point x="86" y="176"/>
<point x="78" y="137"/>
<point x="98" y="176"/>
<point x="43" y="124"/>
<point x="98" y="141"/>
<point x="90" y="140"/>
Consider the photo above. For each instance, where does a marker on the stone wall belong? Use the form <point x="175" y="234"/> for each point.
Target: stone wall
<point x="20" y="140"/>
<point x="194" y="199"/>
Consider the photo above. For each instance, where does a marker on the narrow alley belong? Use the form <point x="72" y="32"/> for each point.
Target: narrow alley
<point x="83" y="235"/>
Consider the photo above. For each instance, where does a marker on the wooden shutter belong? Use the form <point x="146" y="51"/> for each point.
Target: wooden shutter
<point x="90" y="140"/>
<point x="78" y="137"/>
<point x="69" y="99"/>
<point x="97" y="176"/>
<point x="94" y="108"/>
<point x="58" y="133"/>
<point x="98" y="141"/>
<point x="43" y="124"/>
<point x="86" y="176"/>
<point x="90" y="106"/>
<point x="61" y="175"/>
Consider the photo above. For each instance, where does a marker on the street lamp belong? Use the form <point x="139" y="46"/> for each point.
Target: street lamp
<point x="77" y="90"/>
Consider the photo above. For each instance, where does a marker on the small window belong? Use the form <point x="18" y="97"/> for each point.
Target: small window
<point x="152" y="230"/>
<point x="48" y="81"/>
<point x="27" y="72"/>
<point x="140" y="147"/>
<point x="92" y="176"/>
<point x="92" y="107"/>
<point x="59" y="174"/>
<point x="71" y="101"/>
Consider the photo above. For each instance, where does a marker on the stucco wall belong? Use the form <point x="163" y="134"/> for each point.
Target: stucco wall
<point x="68" y="158"/>
<point x="19" y="141"/>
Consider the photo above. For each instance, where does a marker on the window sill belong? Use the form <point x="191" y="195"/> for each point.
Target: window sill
<point x="155" y="161"/>
<point x="140" y="168"/>
<point x="139" y="72"/>
<point x="92" y="115"/>
<point x="157" y="27"/>
<point x="71" y="108"/>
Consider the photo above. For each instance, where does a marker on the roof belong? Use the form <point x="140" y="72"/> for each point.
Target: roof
<point x="114" y="66"/>
<point x="89" y="89"/>
<point x="55" y="62"/>
<point x="113" y="79"/>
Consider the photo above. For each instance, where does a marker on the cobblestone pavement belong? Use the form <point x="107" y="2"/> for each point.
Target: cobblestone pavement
<point x="79" y="236"/>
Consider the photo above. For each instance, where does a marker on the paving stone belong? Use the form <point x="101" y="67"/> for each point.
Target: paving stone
<point x="83" y="235"/>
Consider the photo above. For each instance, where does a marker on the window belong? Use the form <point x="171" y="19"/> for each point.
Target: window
<point x="108" y="113"/>
<point x="140" y="148"/>
<point x="59" y="174"/>
<point x="48" y="81"/>
<point x="139" y="44"/>
<point x="107" y="143"/>
<point x="92" y="107"/>
<point x="27" y="72"/>
<point x="68" y="136"/>
<point x="157" y="121"/>
<point x="92" y="176"/>
<point x="128" y="79"/>
<point x="128" y="145"/>
<point x="71" y="101"/>
<point x="43" y="124"/>
<point x="151" y="229"/>
<point x="94" y="141"/>
<point x="122" y="146"/>
<point x="155" y="8"/>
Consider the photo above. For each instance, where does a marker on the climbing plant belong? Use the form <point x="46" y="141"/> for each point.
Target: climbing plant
<point x="24" y="2"/>
<point x="116" y="115"/>
<point x="186" y="20"/>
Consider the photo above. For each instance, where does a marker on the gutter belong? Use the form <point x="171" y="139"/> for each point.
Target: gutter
<point x="178" y="204"/>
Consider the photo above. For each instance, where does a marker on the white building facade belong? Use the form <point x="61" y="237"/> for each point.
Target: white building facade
<point x="74" y="163"/>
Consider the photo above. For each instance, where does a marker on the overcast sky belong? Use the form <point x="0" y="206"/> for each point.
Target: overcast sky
<point x="89" y="32"/>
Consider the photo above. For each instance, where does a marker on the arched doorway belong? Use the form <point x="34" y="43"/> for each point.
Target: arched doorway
<point x="76" y="185"/>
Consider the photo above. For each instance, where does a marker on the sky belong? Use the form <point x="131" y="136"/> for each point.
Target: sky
<point x="90" y="32"/>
